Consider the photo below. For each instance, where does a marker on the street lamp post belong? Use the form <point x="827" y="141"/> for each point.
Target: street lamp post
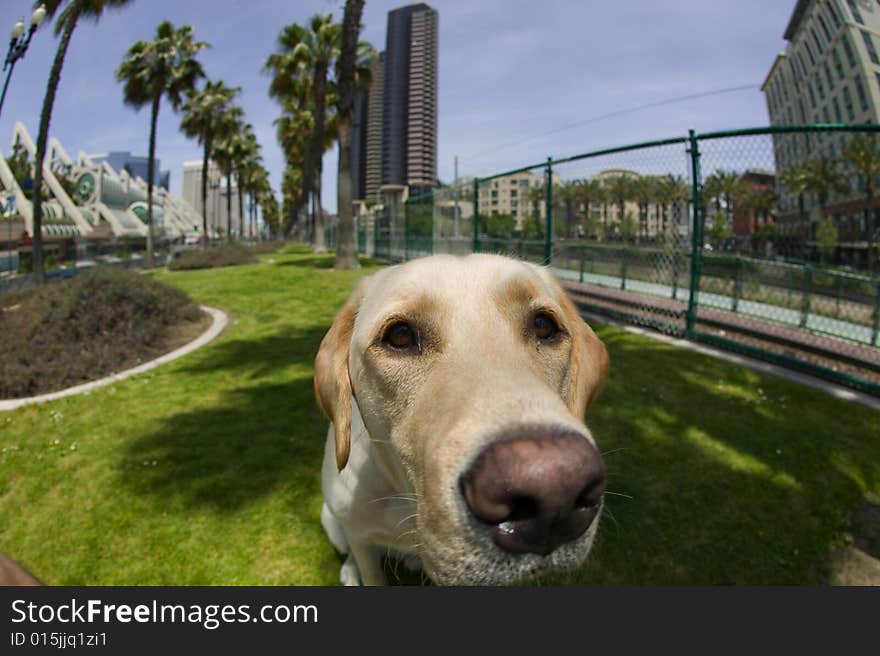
<point x="18" y="45"/>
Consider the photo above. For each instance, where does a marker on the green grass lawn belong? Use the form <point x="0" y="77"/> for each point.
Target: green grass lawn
<point x="207" y="470"/>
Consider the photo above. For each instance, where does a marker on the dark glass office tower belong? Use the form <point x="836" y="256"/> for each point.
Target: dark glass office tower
<point x="409" y="116"/>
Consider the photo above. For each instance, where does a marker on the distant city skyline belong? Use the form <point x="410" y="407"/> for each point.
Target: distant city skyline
<point x="510" y="73"/>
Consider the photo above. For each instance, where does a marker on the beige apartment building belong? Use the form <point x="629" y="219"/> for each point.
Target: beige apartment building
<point x="522" y="195"/>
<point x="829" y="72"/>
<point x="515" y="194"/>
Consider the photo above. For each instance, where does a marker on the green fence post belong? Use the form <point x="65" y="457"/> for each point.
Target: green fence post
<point x="808" y="290"/>
<point x="476" y="245"/>
<point x="548" y="208"/>
<point x="737" y="284"/>
<point x="697" y="236"/>
<point x="876" y="328"/>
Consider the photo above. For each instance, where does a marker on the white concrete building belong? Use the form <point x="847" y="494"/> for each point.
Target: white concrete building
<point x="191" y="191"/>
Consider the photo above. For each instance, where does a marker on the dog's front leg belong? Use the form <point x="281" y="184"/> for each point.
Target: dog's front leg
<point x="369" y="562"/>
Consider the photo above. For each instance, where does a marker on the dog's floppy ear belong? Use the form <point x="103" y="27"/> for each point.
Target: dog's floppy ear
<point x="332" y="383"/>
<point x="589" y="364"/>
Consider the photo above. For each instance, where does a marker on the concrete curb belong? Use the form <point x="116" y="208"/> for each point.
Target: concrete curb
<point x="837" y="391"/>
<point x="220" y="320"/>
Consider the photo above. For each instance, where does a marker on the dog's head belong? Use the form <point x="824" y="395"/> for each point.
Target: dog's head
<point x="479" y="370"/>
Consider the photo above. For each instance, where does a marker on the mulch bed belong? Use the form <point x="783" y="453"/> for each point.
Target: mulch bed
<point x="101" y="322"/>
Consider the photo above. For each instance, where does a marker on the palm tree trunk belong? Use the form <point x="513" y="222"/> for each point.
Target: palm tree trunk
<point x="42" y="140"/>
<point x="205" y="193"/>
<point x="317" y="152"/>
<point x="346" y="253"/>
<point x="346" y="239"/>
<point x="241" y="222"/>
<point x="151" y="176"/>
<point x="229" y="206"/>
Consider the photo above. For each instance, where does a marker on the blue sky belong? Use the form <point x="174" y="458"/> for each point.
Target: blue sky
<point x="509" y="72"/>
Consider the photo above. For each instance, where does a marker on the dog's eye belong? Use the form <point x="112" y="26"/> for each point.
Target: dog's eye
<point x="544" y="326"/>
<point x="399" y="335"/>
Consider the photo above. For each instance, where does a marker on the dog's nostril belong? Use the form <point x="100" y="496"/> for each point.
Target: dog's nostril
<point x="536" y="491"/>
<point x="522" y="508"/>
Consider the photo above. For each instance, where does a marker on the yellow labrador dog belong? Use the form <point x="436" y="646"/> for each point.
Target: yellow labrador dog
<point x="457" y="388"/>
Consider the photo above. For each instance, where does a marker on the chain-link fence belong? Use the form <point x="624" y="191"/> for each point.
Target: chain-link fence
<point x="762" y="240"/>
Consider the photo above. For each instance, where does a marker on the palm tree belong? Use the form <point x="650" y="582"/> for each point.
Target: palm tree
<point x="758" y="202"/>
<point x="536" y="195"/>
<point x="302" y="68"/>
<point x="165" y="66"/>
<point x="620" y="189"/>
<point x="722" y="188"/>
<point x="796" y="180"/>
<point x="228" y="148"/>
<point x="271" y="211"/>
<point x="245" y="151"/>
<point x="567" y="194"/>
<point x="293" y="129"/>
<point x="253" y="179"/>
<point x="202" y="120"/>
<point x="677" y="193"/>
<point x="824" y="178"/>
<point x="863" y="153"/>
<point x="291" y="193"/>
<point x="68" y="18"/>
<point x="346" y="239"/>
<point x="645" y="192"/>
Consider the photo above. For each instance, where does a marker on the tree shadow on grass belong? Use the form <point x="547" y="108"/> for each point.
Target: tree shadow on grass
<point x="258" y="358"/>
<point x="709" y="484"/>
<point x="313" y="261"/>
<point x="325" y="262"/>
<point x="738" y="479"/>
<point x="258" y="439"/>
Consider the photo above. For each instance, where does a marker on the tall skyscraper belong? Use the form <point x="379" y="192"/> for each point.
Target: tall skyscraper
<point x="409" y="117"/>
<point x="421" y="118"/>
<point x="395" y="133"/>
<point x="373" y="149"/>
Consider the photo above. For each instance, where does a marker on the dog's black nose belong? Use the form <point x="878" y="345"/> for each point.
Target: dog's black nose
<point x="536" y="491"/>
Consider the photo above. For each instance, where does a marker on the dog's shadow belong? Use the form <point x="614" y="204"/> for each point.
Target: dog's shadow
<point x="262" y="437"/>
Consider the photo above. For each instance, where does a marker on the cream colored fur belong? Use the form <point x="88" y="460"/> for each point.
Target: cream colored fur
<point x="405" y="427"/>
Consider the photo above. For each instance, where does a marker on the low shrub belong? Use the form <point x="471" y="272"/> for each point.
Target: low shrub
<point x="102" y="321"/>
<point x="264" y="247"/>
<point x="231" y="254"/>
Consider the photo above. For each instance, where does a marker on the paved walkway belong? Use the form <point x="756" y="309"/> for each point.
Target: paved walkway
<point x="774" y="313"/>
